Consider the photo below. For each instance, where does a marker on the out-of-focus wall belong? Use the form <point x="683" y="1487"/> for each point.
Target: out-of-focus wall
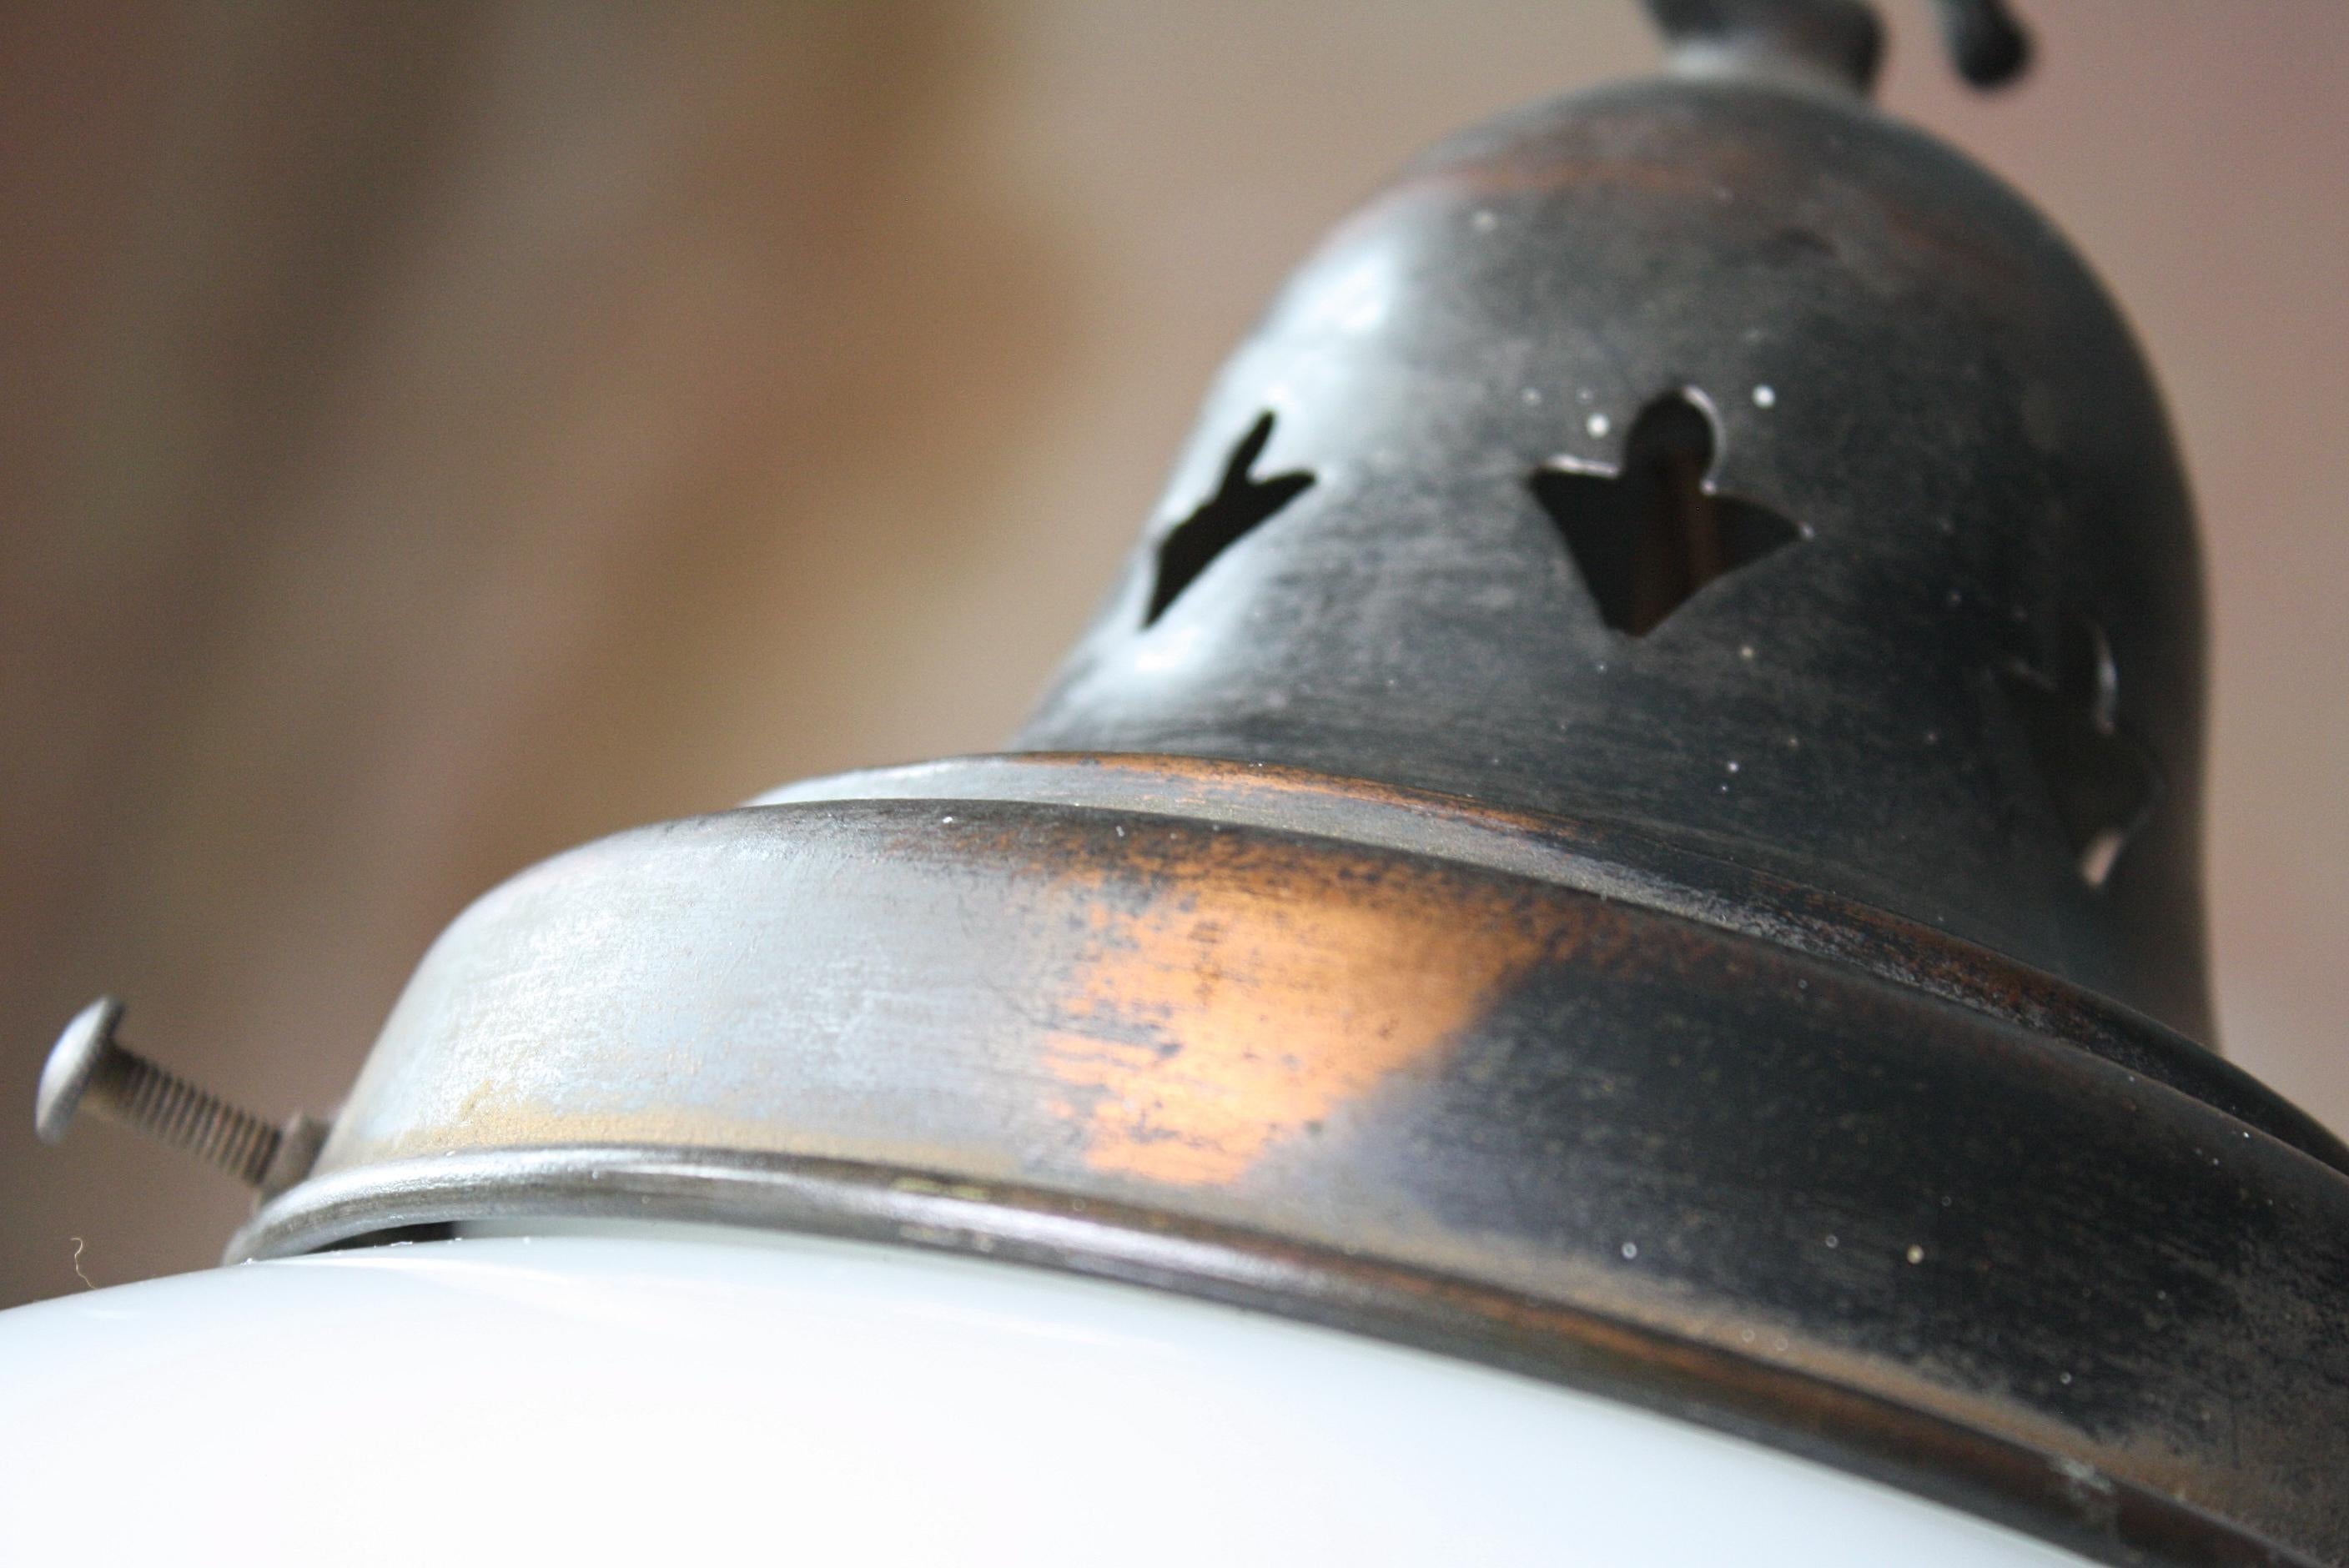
<point x="433" y="435"/>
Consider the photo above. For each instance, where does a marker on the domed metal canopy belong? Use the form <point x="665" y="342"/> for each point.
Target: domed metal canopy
<point x="1724" y="461"/>
<point x="1633" y="817"/>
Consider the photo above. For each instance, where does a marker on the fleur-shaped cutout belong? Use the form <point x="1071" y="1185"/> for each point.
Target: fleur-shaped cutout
<point x="1650" y="534"/>
<point x="1240" y="504"/>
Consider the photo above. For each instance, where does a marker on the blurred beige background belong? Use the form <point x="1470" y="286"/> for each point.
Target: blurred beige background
<point x="431" y="435"/>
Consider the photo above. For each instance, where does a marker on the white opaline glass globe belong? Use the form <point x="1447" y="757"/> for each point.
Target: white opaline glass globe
<point x="687" y="1396"/>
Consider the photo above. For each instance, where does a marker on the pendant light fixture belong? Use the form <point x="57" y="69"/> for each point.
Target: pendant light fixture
<point x="1619" y="873"/>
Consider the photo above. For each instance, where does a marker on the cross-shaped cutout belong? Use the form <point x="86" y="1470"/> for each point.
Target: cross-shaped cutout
<point x="1649" y="535"/>
<point x="1240" y="503"/>
<point x="2104" y="784"/>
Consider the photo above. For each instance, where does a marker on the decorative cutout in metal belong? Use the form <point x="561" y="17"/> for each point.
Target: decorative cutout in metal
<point x="1240" y="504"/>
<point x="2104" y="784"/>
<point x="1650" y="534"/>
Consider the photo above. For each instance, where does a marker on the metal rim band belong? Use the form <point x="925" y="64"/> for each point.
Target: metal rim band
<point x="1606" y="860"/>
<point x="2045" y="1495"/>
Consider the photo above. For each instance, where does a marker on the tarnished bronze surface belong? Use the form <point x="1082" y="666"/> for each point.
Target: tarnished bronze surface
<point x="1155" y="999"/>
<point x="1612" y="862"/>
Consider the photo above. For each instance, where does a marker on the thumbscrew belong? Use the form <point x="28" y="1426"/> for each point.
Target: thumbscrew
<point x="90" y="1066"/>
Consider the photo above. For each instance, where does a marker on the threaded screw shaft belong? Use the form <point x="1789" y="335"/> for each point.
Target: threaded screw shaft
<point x="89" y="1066"/>
<point x="130" y="1090"/>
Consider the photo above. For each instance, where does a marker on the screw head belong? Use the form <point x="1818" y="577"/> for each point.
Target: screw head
<point x="73" y="1061"/>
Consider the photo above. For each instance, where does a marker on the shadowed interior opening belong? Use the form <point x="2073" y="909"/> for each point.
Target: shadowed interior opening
<point x="2104" y="785"/>
<point x="1646" y="537"/>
